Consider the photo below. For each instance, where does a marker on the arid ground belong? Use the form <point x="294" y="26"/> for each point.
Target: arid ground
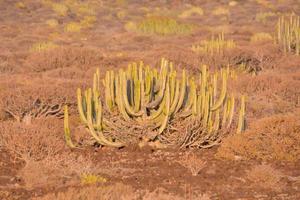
<point x="50" y="48"/>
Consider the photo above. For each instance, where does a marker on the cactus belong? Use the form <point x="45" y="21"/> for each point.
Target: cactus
<point x="214" y="46"/>
<point x="142" y="95"/>
<point x="288" y="34"/>
<point x="241" y="122"/>
<point x="67" y="128"/>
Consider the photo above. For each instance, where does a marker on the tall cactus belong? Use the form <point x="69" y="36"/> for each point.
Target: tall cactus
<point x="142" y="95"/>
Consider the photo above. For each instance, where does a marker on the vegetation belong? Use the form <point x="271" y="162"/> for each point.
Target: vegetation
<point x="43" y="46"/>
<point x="92" y="179"/>
<point x="220" y="11"/>
<point x="157" y="98"/>
<point x="263" y="16"/>
<point x="214" y="46"/>
<point x="288" y="34"/>
<point x="260" y="37"/>
<point x="163" y="26"/>
<point x="52" y="23"/>
<point x="193" y="10"/>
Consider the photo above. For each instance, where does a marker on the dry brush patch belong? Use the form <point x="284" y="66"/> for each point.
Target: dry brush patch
<point x="265" y="176"/>
<point x="112" y="192"/>
<point x="271" y="138"/>
<point x="193" y="163"/>
<point x="32" y="97"/>
<point x="63" y="57"/>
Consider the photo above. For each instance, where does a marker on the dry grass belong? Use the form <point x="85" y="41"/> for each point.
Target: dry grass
<point x="221" y="11"/>
<point x="261" y="37"/>
<point x="118" y="191"/>
<point x="262" y="17"/>
<point x="52" y="23"/>
<point x="30" y="141"/>
<point x="63" y="57"/>
<point x="272" y="138"/>
<point x="163" y="26"/>
<point x="193" y="163"/>
<point x="73" y="27"/>
<point x="265" y="176"/>
<point x="192" y="11"/>
<point x="43" y="46"/>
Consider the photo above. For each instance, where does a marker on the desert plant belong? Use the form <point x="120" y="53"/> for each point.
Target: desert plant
<point x="193" y="10"/>
<point x="20" y="5"/>
<point x="192" y="163"/>
<point x="92" y="179"/>
<point x="263" y="16"/>
<point x="163" y="26"/>
<point x="52" y="23"/>
<point x="265" y="176"/>
<point x="215" y="46"/>
<point x="60" y="8"/>
<point x="73" y="27"/>
<point x="43" y="46"/>
<point x="288" y="34"/>
<point x="154" y="99"/>
<point x="260" y="37"/>
<point x="220" y="11"/>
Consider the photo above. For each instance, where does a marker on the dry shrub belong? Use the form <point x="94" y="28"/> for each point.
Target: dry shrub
<point x="193" y="163"/>
<point x="264" y="176"/>
<point x="118" y="191"/>
<point x="163" y="194"/>
<point x="64" y="168"/>
<point x="269" y="93"/>
<point x="271" y="138"/>
<point x="19" y="93"/>
<point x="40" y="139"/>
<point x="63" y="57"/>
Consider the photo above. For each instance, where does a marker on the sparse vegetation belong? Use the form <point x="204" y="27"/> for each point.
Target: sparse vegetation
<point x="218" y="119"/>
<point x="275" y="138"/>
<point x="214" y="46"/>
<point x="265" y="176"/>
<point x="73" y="27"/>
<point x="288" y="34"/>
<point x="52" y="23"/>
<point x="220" y="11"/>
<point x="192" y="163"/>
<point x="163" y="26"/>
<point x="43" y="46"/>
<point x="261" y="37"/>
<point x="92" y="179"/>
<point x="193" y="10"/>
<point x="263" y="16"/>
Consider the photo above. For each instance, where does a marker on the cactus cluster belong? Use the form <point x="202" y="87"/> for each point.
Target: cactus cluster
<point x="215" y="46"/>
<point x="148" y="96"/>
<point x="288" y="34"/>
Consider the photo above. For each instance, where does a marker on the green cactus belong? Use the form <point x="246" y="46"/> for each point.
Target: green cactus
<point x="142" y="95"/>
<point x="67" y="128"/>
<point x="241" y="121"/>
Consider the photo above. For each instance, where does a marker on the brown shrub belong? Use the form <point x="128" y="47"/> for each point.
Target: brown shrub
<point x="271" y="138"/>
<point x="18" y="94"/>
<point x="63" y="57"/>
<point x="40" y="139"/>
<point x="193" y="163"/>
<point x="118" y="191"/>
<point x="60" y="169"/>
<point x="264" y="176"/>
